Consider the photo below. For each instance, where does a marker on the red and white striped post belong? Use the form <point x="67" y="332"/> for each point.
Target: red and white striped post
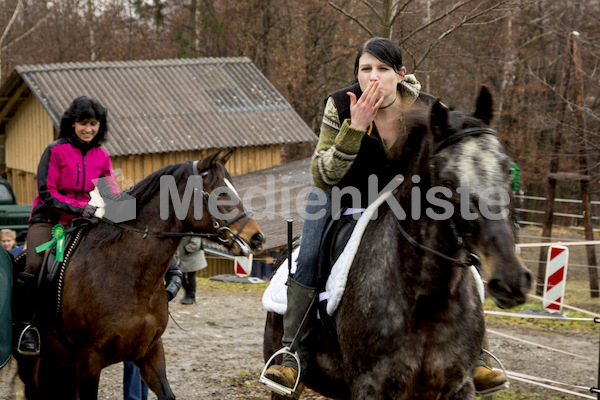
<point x="556" y="278"/>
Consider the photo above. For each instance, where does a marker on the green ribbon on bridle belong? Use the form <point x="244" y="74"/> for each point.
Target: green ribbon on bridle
<point x="58" y="233"/>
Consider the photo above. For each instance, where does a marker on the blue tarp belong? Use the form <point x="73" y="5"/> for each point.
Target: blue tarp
<point x="6" y="276"/>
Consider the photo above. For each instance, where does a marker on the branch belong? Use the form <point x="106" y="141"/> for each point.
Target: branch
<point x="455" y="27"/>
<point x="435" y="20"/>
<point x="369" y="5"/>
<point x="571" y="105"/>
<point x="398" y="12"/>
<point x="27" y="33"/>
<point x="351" y="17"/>
<point x="12" y="20"/>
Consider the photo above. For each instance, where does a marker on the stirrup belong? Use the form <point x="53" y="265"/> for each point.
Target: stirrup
<point x="277" y="387"/>
<point x="498" y="388"/>
<point x="34" y="330"/>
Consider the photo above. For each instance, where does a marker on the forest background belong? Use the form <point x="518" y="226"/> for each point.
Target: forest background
<point x="306" y="48"/>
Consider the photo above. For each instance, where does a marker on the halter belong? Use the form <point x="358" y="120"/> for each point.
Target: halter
<point x="472" y="258"/>
<point x="219" y="236"/>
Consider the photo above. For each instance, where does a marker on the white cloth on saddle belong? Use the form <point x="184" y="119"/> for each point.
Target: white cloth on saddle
<point x="275" y="296"/>
<point x="97" y="201"/>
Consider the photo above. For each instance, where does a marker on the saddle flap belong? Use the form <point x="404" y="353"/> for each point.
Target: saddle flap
<point x="335" y="237"/>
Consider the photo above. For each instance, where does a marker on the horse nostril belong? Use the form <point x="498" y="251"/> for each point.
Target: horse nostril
<point x="257" y="240"/>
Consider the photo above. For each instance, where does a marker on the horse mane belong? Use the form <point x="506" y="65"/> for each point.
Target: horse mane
<point x="409" y="149"/>
<point x="142" y="191"/>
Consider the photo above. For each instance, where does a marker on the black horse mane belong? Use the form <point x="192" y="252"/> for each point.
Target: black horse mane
<point x="145" y="190"/>
<point x="147" y="187"/>
<point x="409" y="149"/>
<point x="142" y="191"/>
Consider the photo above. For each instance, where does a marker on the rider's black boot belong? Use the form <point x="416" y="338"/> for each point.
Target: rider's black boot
<point x="299" y="302"/>
<point x="25" y="294"/>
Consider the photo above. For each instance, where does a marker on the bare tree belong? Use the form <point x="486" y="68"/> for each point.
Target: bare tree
<point x="6" y="41"/>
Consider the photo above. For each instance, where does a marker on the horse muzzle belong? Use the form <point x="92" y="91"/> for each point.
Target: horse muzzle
<point x="510" y="289"/>
<point x="241" y="246"/>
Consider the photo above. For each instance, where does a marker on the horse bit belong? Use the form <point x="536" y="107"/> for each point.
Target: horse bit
<point x="472" y="258"/>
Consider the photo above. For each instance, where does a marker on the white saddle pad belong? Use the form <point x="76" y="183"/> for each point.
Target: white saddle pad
<point x="275" y="296"/>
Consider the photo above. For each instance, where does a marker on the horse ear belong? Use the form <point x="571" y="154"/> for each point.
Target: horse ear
<point x="226" y="155"/>
<point x="438" y="119"/>
<point x="211" y="159"/>
<point x="484" y="108"/>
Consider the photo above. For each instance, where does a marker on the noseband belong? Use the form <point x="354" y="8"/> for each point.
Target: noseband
<point x="472" y="258"/>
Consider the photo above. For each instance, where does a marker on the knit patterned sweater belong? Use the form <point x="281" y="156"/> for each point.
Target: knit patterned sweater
<point x="339" y="144"/>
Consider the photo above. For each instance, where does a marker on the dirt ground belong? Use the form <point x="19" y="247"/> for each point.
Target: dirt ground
<point x="217" y="352"/>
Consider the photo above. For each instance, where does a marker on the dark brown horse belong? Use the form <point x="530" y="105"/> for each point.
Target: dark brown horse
<point x="114" y="304"/>
<point x="411" y="324"/>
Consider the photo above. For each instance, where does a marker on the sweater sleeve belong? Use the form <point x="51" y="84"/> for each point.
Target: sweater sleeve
<point x="48" y="186"/>
<point x="336" y="149"/>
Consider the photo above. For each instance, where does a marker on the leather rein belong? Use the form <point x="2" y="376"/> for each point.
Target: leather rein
<point x="472" y="258"/>
<point x="222" y="231"/>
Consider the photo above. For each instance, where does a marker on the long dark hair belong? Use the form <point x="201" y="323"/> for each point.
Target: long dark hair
<point x="382" y="49"/>
<point x="81" y="108"/>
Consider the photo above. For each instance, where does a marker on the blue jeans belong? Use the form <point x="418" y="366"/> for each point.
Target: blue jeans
<point x="134" y="388"/>
<point x="317" y="213"/>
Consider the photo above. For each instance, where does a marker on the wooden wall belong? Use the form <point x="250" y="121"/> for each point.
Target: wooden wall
<point x="27" y="135"/>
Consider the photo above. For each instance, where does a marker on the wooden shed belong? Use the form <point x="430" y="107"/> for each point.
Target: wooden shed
<point x="160" y="112"/>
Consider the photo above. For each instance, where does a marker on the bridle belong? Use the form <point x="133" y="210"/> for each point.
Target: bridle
<point x="472" y="258"/>
<point x="223" y="234"/>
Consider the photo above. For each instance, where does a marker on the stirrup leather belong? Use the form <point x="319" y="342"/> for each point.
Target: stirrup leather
<point x="276" y="387"/>
<point x="34" y="330"/>
<point x="498" y="388"/>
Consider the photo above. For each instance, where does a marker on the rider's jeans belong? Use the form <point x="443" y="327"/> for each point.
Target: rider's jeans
<point x="318" y="211"/>
<point x="134" y="388"/>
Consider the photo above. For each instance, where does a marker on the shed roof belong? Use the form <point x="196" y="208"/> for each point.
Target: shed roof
<point x="168" y="105"/>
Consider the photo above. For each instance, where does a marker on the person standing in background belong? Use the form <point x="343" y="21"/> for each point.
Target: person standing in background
<point x="191" y="260"/>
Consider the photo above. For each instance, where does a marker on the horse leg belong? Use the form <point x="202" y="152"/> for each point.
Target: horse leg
<point x="363" y="387"/>
<point x="466" y="392"/>
<point x="153" y="369"/>
<point x="56" y="382"/>
<point x="88" y="375"/>
<point x="28" y="371"/>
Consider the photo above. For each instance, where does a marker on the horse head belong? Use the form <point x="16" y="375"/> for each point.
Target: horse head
<point x="234" y="225"/>
<point x="471" y="163"/>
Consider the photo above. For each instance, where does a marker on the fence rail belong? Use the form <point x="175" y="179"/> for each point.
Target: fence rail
<point x="530" y="210"/>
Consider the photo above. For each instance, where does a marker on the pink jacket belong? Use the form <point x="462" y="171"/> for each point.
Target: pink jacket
<point x="67" y="172"/>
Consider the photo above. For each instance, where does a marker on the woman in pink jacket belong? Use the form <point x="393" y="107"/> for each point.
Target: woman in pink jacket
<point x="68" y="170"/>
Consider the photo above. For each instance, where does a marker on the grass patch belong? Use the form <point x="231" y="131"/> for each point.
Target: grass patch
<point x="566" y="326"/>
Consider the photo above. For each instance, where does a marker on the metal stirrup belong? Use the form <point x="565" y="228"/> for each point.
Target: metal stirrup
<point x="34" y="330"/>
<point x="498" y="388"/>
<point x="277" y="387"/>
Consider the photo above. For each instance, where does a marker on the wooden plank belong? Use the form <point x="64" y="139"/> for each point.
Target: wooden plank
<point x="569" y="176"/>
